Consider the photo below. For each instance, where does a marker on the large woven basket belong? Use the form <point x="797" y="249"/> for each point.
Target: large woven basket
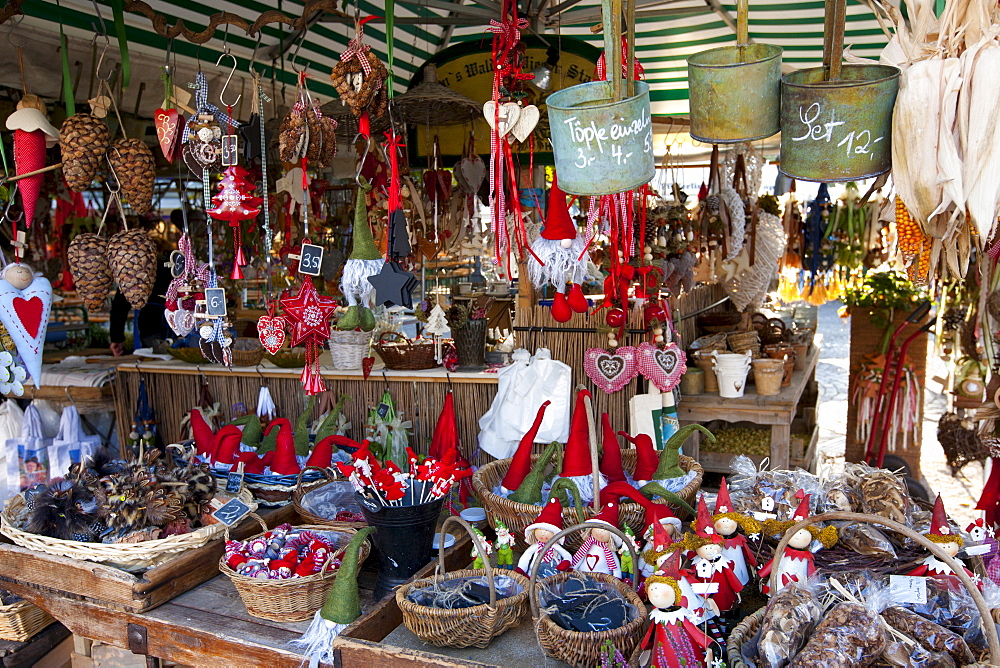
<point x="517" y="516"/>
<point x="126" y="556"/>
<point x="740" y="635"/>
<point x="400" y="354"/>
<point x="247" y="351"/>
<point x="294" y="599"/>
<point x="20" y="621"/>
<point x="466" y="627"/>
<point x="347" y="349"/>
<point x="311" y="518"/>
<point x="579" y="648"/>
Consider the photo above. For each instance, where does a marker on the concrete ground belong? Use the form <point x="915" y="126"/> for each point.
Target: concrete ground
<point x="959" y="492"/>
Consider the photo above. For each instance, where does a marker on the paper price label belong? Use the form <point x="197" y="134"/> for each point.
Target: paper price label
<point x="310" y="260"/>
<point x="977" y="550"/>
<point x="908" y="589"/>
<point x="705" y="588"/>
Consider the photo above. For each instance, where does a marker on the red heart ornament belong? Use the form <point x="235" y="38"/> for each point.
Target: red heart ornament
<point x="168" y="131"/>
<point x="611" y="371"/>
<point x="663" y="367"/>
<point x="271" y="332"/>
<point x="366" y="366"/>
<point x="29" y="311"/>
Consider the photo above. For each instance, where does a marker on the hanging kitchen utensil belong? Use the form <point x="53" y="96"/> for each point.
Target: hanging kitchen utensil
<point x="836" y="120"/>
<point x="602" y="136"/>
<point x="735" y="90"/>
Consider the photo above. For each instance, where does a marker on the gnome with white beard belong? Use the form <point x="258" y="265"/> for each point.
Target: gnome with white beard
<point x="560" y="256"/>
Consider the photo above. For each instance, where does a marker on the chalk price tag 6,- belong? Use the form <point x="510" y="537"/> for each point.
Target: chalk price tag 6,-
<point x="215" y="302"/>
<point x="310" y="260"/>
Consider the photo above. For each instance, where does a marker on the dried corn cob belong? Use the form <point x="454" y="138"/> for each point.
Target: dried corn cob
<point x="909" y="236"/>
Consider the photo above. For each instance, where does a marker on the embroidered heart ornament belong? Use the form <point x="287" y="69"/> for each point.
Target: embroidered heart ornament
<point x="611" y="371"/>
<point x="526" y="122"/>
<point x="663" y="367"/>
<point x="366" y="366"/>
<point x="25" y="314"/>
<point x="168" y="131"/>
<point x="181" y="321"/>
<point x="271" y="332"/>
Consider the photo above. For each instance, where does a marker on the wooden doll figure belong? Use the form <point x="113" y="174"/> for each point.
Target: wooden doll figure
<point x="673" y="638"/>
<point x="797" y="561"/>
<point x="735" y="547"/>
<point x="713" y="574"/>
<point x="547" y="525"/>
<point x="504" y="545"/>
<point x="598" y="552"/>
<point x="949" y="541"/>
<point x="660" y="549"/>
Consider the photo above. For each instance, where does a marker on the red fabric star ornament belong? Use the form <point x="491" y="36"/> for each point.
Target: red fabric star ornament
<point x="309" y="313"/>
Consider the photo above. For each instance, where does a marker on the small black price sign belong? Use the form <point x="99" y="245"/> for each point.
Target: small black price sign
<point x="215" y="302"/>
<point x="234" y="482"/>
<point x="232" y="512"/>
<point x="230" y="150"/>
<point x="383" y="410"/>
<point x="176" y="264"/>
<point x="310" y="259"/>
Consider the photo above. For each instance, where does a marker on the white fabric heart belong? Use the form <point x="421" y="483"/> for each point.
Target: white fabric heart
<point x="501" y="119"/>
<point x="25" y="314"/>
<point x="526" y="122"/>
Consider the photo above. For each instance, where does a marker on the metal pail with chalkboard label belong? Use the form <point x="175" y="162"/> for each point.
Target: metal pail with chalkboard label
<point x="600" y="146"/>
<point x="734" y="91"/>
<point x="836" y="120"/>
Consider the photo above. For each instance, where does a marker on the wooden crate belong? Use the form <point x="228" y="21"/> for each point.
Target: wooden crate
<point x="118" y="589"/>
<point x="800" y="455"/>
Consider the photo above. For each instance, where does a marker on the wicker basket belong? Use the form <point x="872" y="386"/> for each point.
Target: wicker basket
<point x="741" y="634"/>
<point x="579" y="648"/>
<point x="517" y="516"/>
<point x="247" y="351"/>
<point x="294" y="599"/>
<point x="740" y="342"/>
<point x="312" y="518"/>
<point x="709" y="343"/>
<point x="466" y="627"/>
<point x="191" y="355"/>
<point x="20" y="621"/>
<point x="293" y="358"/>
<point x="400" y="354"/>
<point x="713" y="323"/>
<point x="347" y="349"/>
<point x="127" y="556"/>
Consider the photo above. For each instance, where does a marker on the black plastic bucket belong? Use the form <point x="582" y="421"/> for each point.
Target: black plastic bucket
<point x="403" y="540"/>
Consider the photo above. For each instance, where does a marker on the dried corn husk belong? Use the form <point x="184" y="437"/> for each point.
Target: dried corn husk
<point x="981" y="133"/>
<point x="88" y="262"/>
<point x="132" y="258"/>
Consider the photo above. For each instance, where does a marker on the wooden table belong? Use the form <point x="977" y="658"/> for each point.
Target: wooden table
<point x="777" y="411"/>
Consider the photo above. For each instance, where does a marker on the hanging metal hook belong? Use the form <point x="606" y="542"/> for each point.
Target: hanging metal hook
<point x="364" y="156"/>
<point x="167" y="68"/>
<point x="100" y="61"/>
<point x="21" y="40"/>
<point x="228" y="79"/>
<point x="118" y="183"/>
<point x="295" y="56"/>
<point x="253" y="56"/>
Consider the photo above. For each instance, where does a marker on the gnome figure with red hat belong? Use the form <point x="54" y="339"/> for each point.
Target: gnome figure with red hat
<point x="560" y="256"/>
<point x="673" y="638"/>
<point x="950" y="542"/>
<point x="727" y="524"/>
<point x="546" y="525"/>
<point x="713" y="572"/>
<point x="659" y="549"/>
<point x="797" y="561"/>
<point x="598" y="553"/>
<point x="520" y="464"/>
<point x="577" y="465"/>
<point x="982" y="534"/>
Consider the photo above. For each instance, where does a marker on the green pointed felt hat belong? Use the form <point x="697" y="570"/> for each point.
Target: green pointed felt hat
<point x="343" y="605"/>
<point x="363" y="247"/>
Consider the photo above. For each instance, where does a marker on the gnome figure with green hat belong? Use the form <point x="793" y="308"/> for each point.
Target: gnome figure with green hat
<point x="365" y="261"/>
<point x="342" y="607"/>
<point x="504" y="545"/>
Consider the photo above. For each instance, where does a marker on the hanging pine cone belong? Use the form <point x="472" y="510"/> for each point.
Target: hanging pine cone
<point x="329" y="142"/>
<point x="83" y="139"/>
<point x="88" y="262"/>
<point x="135" y="167"/>
<point x="292" y="143"/>
<point x="132" y="258"/>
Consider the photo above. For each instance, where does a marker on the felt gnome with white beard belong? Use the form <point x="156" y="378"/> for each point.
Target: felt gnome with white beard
<point x="364" y="262"/>
<point x="560" y="257"/>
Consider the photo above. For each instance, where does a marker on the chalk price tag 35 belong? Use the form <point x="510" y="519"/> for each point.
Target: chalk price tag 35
<point x="232" y="512"/>
<point x="215" y="302"/>
<point x="310" y="260"/>
<point x="908" y="589"/>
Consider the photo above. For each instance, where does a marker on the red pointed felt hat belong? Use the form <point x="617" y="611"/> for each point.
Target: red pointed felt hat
<point x="646" y="461"/>
<point x="228" y="440"/>
<point x="550" y="518"/>
<point x="576" y="458"/>
<point x="672" y="566"/>
<point x="444" y="442"/>
<point x="520" y="465"/>
<point x="803" y="511"/>
<point x="204" y="439"/>
<point x="558" y="223"/>
<point x="661" y="539"/>
<point x="322" y="454"/>
<point x="723" y="504"/>
<point x="939" y="520"/>
<point x="616" y="490"/>
<point x="611" y="453"/>
<point x="704" y="526"/>
<point x="284" y="454"/>
<point x="658" y="514"/>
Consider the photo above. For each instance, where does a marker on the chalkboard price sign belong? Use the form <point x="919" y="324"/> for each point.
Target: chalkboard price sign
<point x="230" y="150"/>
<point x="311" y="260"/>
<point x="232" y="512"/>
<point x="176" y="264"/>
<point x="234" y="482"/>
<point x="215" y="302"/>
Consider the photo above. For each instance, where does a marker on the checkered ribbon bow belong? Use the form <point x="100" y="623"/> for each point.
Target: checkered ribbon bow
<point x="203" y="106"/>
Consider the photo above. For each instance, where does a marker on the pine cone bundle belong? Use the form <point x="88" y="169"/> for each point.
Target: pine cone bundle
<point x="292" y="141"/>
<point x="371" y="95"/>
<point x="132" y="258"/>
<point x="135" y="167"/>
<point x="83" y="139"/>
<point x="88" y="262"/>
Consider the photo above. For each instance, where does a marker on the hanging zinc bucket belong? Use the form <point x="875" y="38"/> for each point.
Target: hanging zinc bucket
<point x="602" y="136"/>
<point x="735" y="91"/>
<point x="836" y="120"/>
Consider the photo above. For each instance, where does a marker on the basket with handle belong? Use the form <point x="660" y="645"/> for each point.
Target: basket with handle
<point x="464" y="627"/>
<point x="247" y="351"/>
<point x="21" y="620"/>
<point x="743" y="632"/>
<point x="584" y="648"/>
<point x="347" y="349"/>
<point x="312" y="518"/>
<point x="293" y="599"/>
<point x="400" y="354"/>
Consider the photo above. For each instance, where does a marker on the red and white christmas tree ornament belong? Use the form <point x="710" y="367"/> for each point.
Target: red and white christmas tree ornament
<point x="235" y="203"/>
